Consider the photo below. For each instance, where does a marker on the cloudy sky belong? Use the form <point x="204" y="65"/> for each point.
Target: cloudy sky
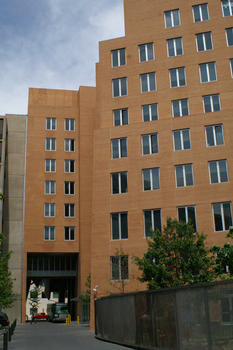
<point x="52" y="44"/>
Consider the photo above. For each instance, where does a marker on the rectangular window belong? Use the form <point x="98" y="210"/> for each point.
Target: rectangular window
<point x="227" y="8"/>
<point x="119" y="148"/>
<point x="69" y="165"/>
<point x="119" y="182"/>
<point x="150" y="179"/>
<point x="119" y="225"/>
<point x="150" y="112"/>
<point x="69" y="233"/>
<point x="69" y="210"/>
<point x="177" y="77"/>
<point x="229" y="35"/>
<point x="50" y="187"/>
<point x="119" y="87"/>
<point x="181" y="139"/>
<point x="50" y="165"/>
<point x="119" y="267"/>
<point x="50" y="144"/>
<point x="174" y="47"/>
<point x="222" y="216"/>
<point x="214" y="135"/>
<point x="231" y="66"/>
<point x="200" y="13"/>
<point x="69" y="187"/>
<point x="120" y="117"/>
<point x="118" y="57"/>
<point x="148" y="82"/>
<point x="211" y="103"/>
<point x="69" y="124"/>
<point x="146" y="52"/>
<point x="218" y="171"/>
<point x="49" y="233"/>
<point x="208" y="72"/>
<point x="204" y="41"/>
<point x="69" y="145"/>
<point x="187" y="214"/>
<point x="50" y="123"/>
<point x="172" y="18"/>
<point x="180" y="108"/>
<point x="152" y="221"/>
<point x="49" y="209"/>
<point x="184" y="175"/>
<point x="150" y="144"/>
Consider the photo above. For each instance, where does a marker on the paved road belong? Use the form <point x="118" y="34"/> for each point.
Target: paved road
<point x="57" y="336"/>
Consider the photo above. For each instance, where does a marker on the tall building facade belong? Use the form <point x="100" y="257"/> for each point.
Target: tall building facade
<point x="152" y="140"/>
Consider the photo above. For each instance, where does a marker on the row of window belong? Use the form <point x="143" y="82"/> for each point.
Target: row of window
<point x="69" y="210"/>
<point x="50" y="187"/>
<point x="183" y="173"/>
<point x="50" y="144"/>
<point x="204" y="42"/>
<point x="69" y="165"/>
<point x="177" y="76"/>
<point x="222" y="215"/>
<point x="49" y="233"/>
<point x="51" y="124"/>
<point x="181" y="141"/>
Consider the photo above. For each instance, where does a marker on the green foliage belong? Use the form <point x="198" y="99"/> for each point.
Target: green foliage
<point x="86" y="296"/>
<point x="224" y="258"/>
<point x="176" y="257"/>
<point x="7" y="296"/>
<point x="34" y="299"/>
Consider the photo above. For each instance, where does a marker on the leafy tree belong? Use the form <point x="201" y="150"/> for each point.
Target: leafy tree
<point x="34" y="299"/>
<point x="7" y="296"/>
<point x="176" y="257"/>
<point x="224" y="258"/>
<point x="121" y="264"/>
<point x="86" y="296"/>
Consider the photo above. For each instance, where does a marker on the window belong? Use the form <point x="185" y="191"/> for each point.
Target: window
<point x="208" y="72"/>
<point x="184" y="175"/>
<point x="150" y="112"/>
<point x="211" y="103"/>
<point x="69" y="210"/>
<point x="119" y="182"/>
<point x="227" y="8"/>
<point x="200" y="13"/>
<point x="49" y="209"/>
<point x="118" y="58"/>
<point x="146" y="52"/>
<point x="150" y="144"/>
<point x="151" y="179"/>
<point x="50" y="187"/>
<point x="49" y="233"/>
<point x="50" y="123"/>
<point x="119" y="267"/>
<point x="69" y="233"/>
<point x="231" y="66"/>
<point x="148" y="82"/>
<point x="50" y="165"/>
<point x="119" y="225"/>
<point x="152" y="221"/>
<point x="229" y="34"/>
<point x="177" y="77"/>
<point x="120" y="117"/>
<point x="119" y="148"/>
<point x="187" y="214"/>
<point x="180" y="108"/>
<point x="69" y="124"/>
<point x="172" y="18"/>
<point x="119" y="87"/>
<point x="69" y="145"/>
<point x="181" y="139"/>
<point x="204" y="41"/>
<point x="218" y="171"/>
<point x="174" y="47"/>
<point x="50" y="144"/>
<point x="69" y="187"/>
<point x="222" y="216"/>
<point x="214" y="135"/>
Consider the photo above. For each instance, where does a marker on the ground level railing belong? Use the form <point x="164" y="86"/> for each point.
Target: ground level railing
<point x="6" y="334"/>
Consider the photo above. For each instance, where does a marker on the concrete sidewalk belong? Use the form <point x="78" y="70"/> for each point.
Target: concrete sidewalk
<point x="59" y="336"/>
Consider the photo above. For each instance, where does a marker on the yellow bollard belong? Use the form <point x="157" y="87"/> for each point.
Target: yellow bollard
<point x="78" y="320"/>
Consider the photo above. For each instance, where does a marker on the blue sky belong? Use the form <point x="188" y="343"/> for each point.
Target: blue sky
<point x="52" y="44"/>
